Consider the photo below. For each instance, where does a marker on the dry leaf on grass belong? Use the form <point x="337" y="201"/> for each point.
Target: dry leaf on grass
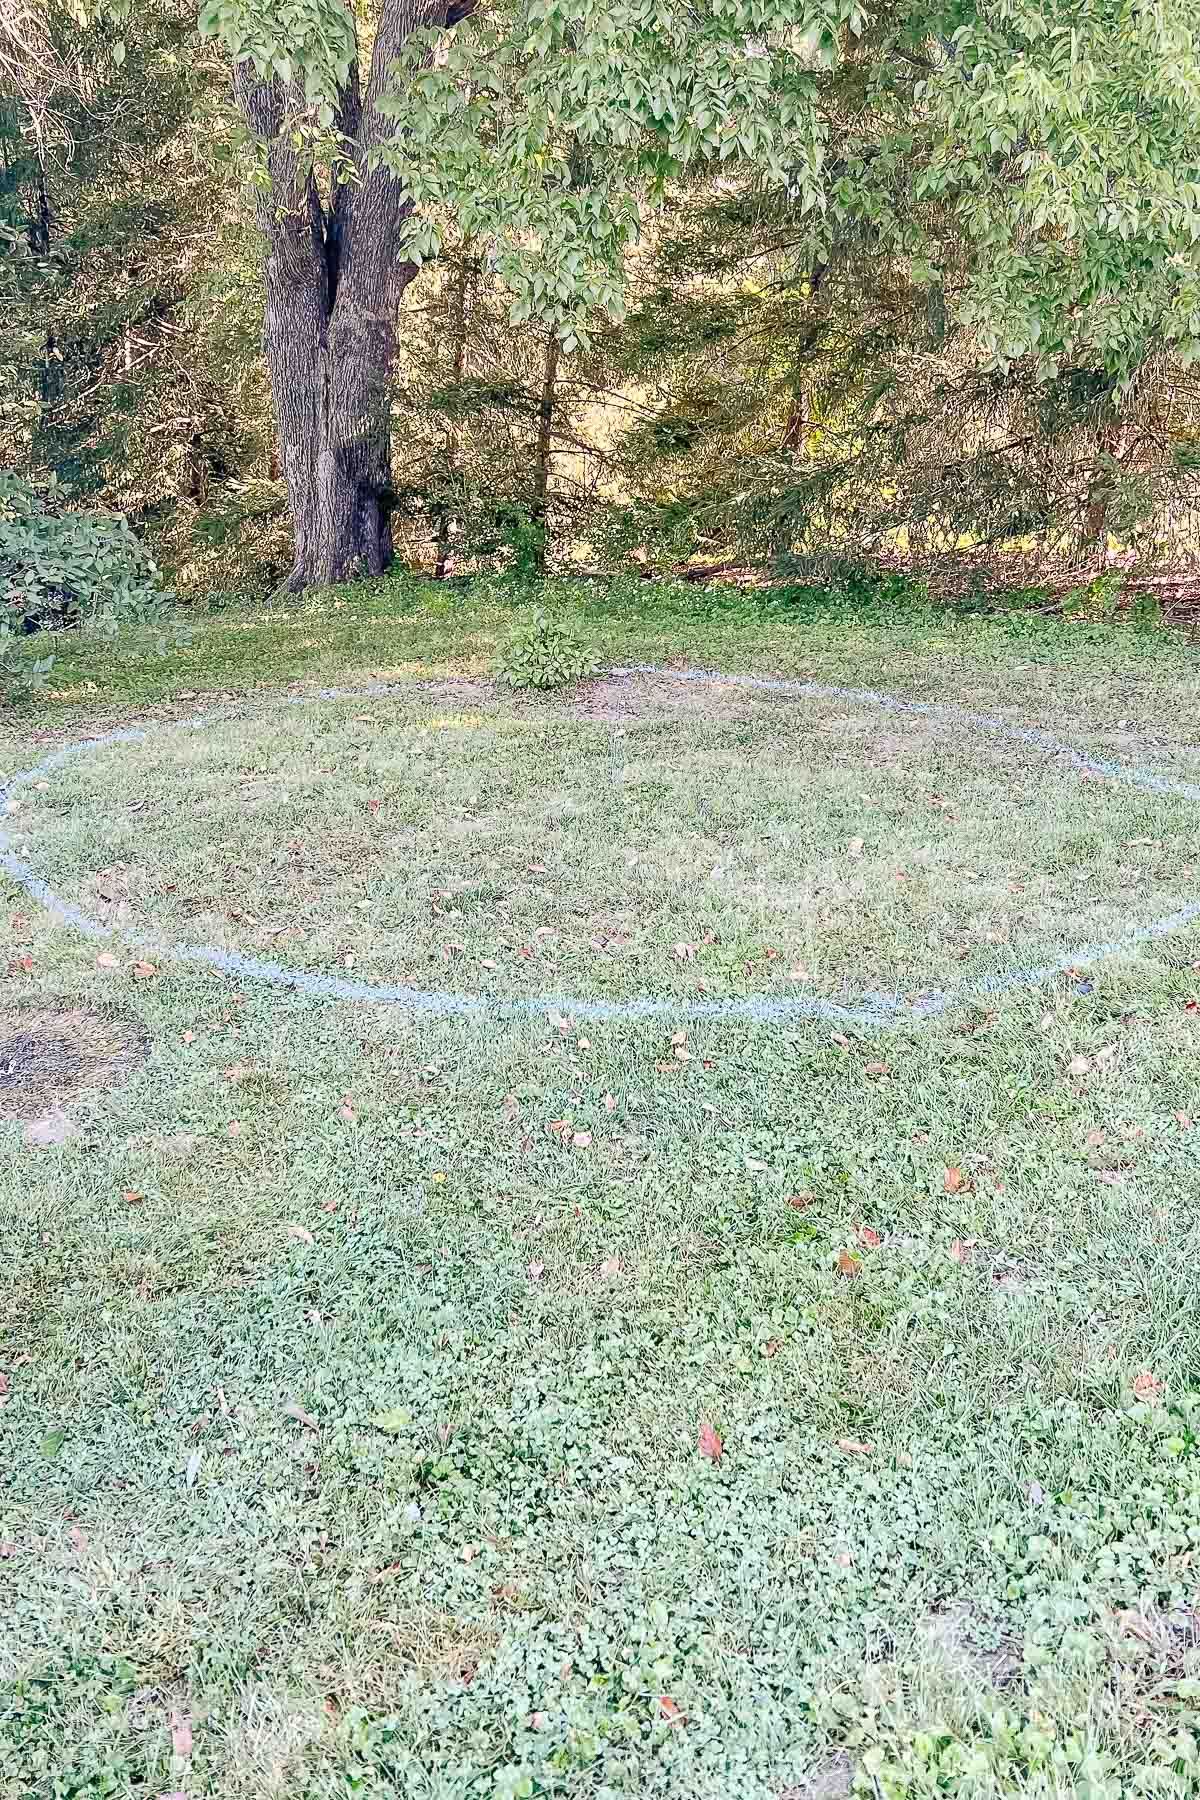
<point x="710" y="1443"/>
<point x="954" y="1181"/>
<point x="301" y="1233"/>
<point x="143" y="971"/>
<point x="610" y="1266"/>
<point x="181" y="1736"/>
<point x="669" y="1711"/>
<point x="106" y="960"/>
<point x="1147" y="1386"/>
<point x="848" y="1264"/>
<point x="854" y="1447"/>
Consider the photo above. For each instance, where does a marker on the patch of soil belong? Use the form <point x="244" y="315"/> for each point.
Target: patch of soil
<point x="52" y="1049"/>
<point x="954" y="1632"/>
<point x="829" y="1781"/>
<point x="618" y="697"/>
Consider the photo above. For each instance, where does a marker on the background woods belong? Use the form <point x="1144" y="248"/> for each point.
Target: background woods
<point x="527" y="285"/>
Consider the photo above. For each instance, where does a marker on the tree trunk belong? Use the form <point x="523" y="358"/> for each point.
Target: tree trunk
<point x="545" y="442"/>
<point x="333" y="286"/>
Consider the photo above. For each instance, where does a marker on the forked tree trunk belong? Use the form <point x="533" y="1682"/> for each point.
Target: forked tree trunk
<point x="334" y="280"/>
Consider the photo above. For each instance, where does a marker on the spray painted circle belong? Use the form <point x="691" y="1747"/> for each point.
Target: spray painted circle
<point x="871" y="1009"/>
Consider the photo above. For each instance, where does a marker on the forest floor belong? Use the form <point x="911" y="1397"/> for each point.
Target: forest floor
<point x="619" y="1244"/>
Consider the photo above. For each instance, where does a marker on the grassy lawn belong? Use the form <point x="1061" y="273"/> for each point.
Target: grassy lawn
<point x="559" y="1396"/>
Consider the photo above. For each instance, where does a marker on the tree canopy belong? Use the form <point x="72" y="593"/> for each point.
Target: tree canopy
<point x="988" y="204"/>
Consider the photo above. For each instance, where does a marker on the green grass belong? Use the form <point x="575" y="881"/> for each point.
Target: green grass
<point x="356" y="1360"/>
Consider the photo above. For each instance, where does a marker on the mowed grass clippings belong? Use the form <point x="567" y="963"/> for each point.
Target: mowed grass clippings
<point x="456" y="1407"/>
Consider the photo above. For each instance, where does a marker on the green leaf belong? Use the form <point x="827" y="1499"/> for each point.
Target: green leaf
<point x="394" y="1421"/>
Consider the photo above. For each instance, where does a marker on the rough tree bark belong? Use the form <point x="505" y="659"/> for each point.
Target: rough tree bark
<point x="334" y="280"/>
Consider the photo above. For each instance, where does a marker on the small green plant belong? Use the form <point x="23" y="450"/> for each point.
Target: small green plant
<point x="544" y="654"/>
<point x="22" y="677"/>
<point x="1099" y="598"/>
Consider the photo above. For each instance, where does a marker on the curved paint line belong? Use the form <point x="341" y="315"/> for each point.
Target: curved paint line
<point x="873" y="1009"/>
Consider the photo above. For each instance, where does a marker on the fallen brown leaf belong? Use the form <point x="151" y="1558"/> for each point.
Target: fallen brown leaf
<point x="144" y="970"/>
<point x="709" y="1442"/>
<point x="954" y="1181"/>
<point x="1147" y="1386"/>
<point x="301" y="1233"/>
<point x="294" y="1410"/>
<point x="181" y="1736"/>
<point x="848" y="1264"/>
<point x="131" y="1197"/>
<point x="867" y="1235"/>
<point x="669" y="1711"/>
<point x="106" y="960"/>
<point x="610" y="1266"/>
<point x="854" y="1447"/>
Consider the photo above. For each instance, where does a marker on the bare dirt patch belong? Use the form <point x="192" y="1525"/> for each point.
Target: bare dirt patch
<point x="54" y="1049"/>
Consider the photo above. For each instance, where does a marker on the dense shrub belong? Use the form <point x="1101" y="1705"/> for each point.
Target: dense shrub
<point x="61" y="569"/>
